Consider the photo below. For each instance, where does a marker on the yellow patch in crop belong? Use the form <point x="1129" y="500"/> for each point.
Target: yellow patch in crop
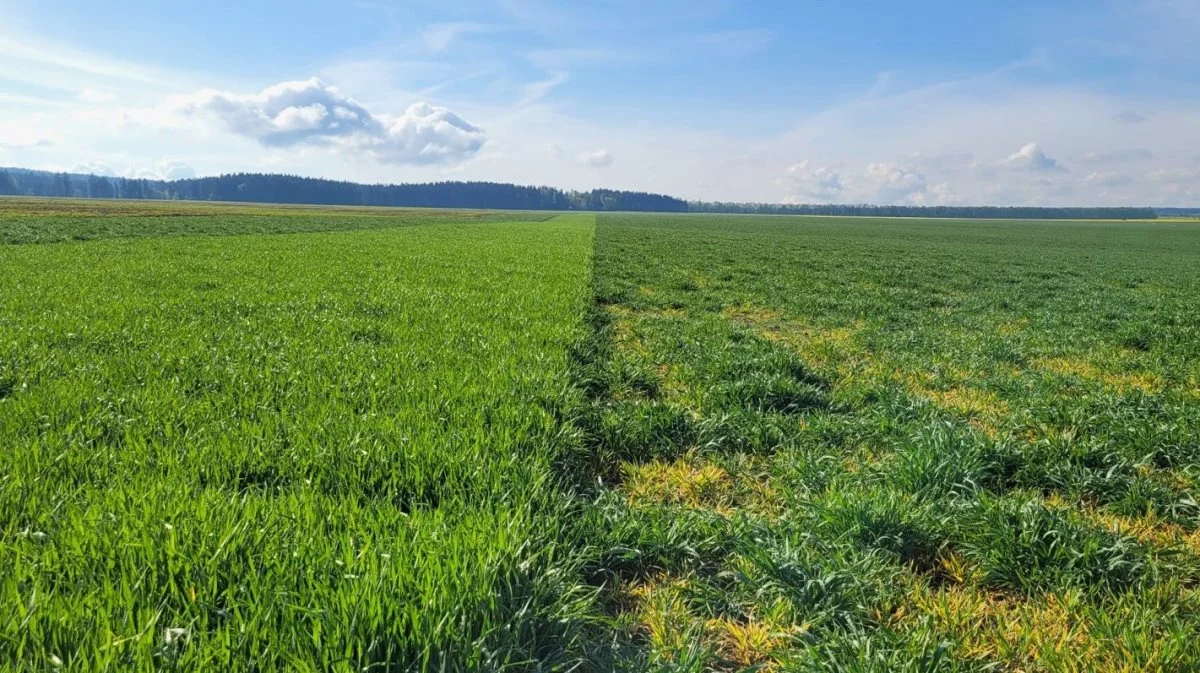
<point x="695" y="482"/>
<point x="833" y="351"/>
<point x="673" y="385"/>
<point x="1144" y="381"/>
<point x="985" y="409"/>
<point x="670" y="626"/>
<point x="968" y="401"/>
<point x="1011" y="327"/>
<point x="765" y="500"/>
<point x="1069" y="367"/>
<point x="1047" y="632"/>
<point x="751" y="643"/>
<point x="1148" y="529"/>
<point x="688" y="481"/>
<point x="698" y="279"/>
<point x="752" y="316"/>
<point x="622" y="323"/>
<point x="1193" y="386"/>
<point x="624" y="330"/>
<point x="956" y="568"/>
<point x="1118" y="381"/>
<point x="663" y="614"/>
<point x="1015" y="632"/>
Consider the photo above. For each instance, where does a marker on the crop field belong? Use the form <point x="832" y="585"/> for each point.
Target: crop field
<point x="263" y="438"/>
<point x="320" y="451"/>
<point x="855" y="445"/>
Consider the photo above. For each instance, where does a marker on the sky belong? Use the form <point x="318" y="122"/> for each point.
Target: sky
<point x="1010" y="102"/>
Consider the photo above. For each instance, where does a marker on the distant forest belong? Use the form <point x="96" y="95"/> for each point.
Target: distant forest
<point x="273" y="188"/>
<point x="867" y="210"/>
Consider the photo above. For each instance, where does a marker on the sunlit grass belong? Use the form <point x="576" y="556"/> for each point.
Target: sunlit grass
<point x="328" y="451"/>
<point x="976" y="448"/>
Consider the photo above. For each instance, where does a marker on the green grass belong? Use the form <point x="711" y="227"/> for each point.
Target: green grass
<point x="30" y="220"/>
<point x="304" y="452"/>
<point x="438" y="440"/>
<point x="849" y="444"/>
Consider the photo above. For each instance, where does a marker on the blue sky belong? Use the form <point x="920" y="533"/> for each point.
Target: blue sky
<point x="921" y="102"/>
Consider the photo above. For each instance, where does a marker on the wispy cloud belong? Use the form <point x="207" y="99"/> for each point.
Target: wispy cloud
<point x="566" y="58"/>
<point x="90" y="95"/>
<point x="536" y="91"/>
<point x="67" y="58"/>
<point x="1118" y="156"/>
<point x="438" y="37"/>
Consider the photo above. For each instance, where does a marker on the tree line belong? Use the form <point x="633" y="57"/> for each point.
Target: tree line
<point x="964" y="212"/>
<point x="275" y="188"/>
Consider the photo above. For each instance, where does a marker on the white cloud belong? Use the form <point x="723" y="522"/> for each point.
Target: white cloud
<point x="61" y="57"/>
<point x="941" y="194"/>
<point x="597" y="159"/>
<point x="93" y="168"/>
<point x="892" y="183"/>
<point x="806" y="184"/>
<point x="437" y="38"/>
<point x="1173" y="175"/>
<point x="166" y="169"/>
<point x="90" y="95"/>
<point x="1032" y="158"/>
<point x="535" y="91"/>
<point x="26" y="144"/>
<point x="1118" y="156"/>
<point x="1177" y="185"/>
<point x="314" y="113"/>
<point x="1108" y="179"/>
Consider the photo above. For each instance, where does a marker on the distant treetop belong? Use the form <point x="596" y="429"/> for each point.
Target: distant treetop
<point x="275" y="188"/>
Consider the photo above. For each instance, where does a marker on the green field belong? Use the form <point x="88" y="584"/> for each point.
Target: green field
<point x="326" y="451"/>
<point x="900" y="445"/>
<point x="269" y="438"/>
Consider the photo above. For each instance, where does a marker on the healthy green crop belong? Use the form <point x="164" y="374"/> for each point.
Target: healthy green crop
<point x="326" y="451"/>
<point x="30" y="220"/>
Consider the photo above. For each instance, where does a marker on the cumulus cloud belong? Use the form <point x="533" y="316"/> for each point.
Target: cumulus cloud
<point x="1118" y="156"/>
<point x="893" y="182"/>
<point x="93" y="168"/>
<point x="805" y="184"/>
<point x="941" y="194"/>
<point x="597" y="159"/>
<point x="311" y="112"/>
<point x="167" y="169"/>
<point x="1180" y="185"/>
<point x="1032" y="158"/>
